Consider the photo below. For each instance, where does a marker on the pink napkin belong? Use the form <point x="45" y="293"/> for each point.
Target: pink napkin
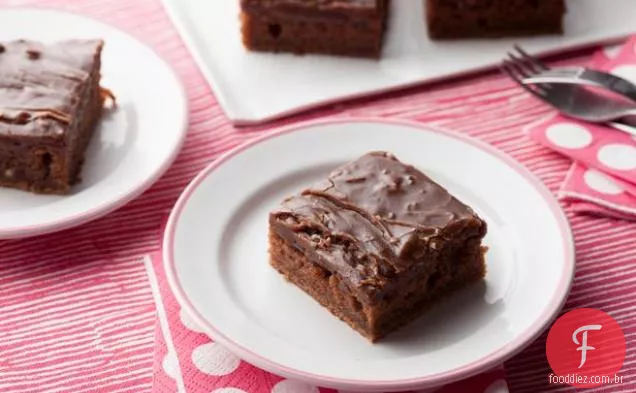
<point x="187" y="361"/>
<point x="602" y="178"/>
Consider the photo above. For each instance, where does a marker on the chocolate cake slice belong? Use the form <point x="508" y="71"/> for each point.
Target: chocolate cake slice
<point x="333" y="27"/>
<point x="448" y="19"/>
<point x="377" y="243"/>
<point x="50" y="104"/>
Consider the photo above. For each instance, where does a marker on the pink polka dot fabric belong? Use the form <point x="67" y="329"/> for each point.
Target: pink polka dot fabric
<point x="187" y="361"/>
<point x="602" y="178"/>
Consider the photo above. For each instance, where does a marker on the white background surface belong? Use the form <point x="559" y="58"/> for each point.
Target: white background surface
<point x="132" y="147"/>
<point x="253" y="87"/>
<point x="220" y="251"/>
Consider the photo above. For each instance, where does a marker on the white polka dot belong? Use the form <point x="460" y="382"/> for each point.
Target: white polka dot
<point x="569" y="135"/>
<point x="612" y="51"/>
<point x="499" y="386"/>
<point x="213" y="359"/>
<point x="229" y="390"/>
<point x="289" y="386"/>
<point x="188" y="322"/>
<point x="601" y="183"/>
<point x="626" y="71"/>
<point x="170" y="365"/>
<point x="617" y="156"/>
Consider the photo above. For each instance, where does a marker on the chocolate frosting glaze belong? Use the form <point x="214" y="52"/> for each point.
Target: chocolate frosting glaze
<point x="40" y="84"/>
<point x="372" y="219"/>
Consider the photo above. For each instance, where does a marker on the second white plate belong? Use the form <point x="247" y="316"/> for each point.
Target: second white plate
<point x="135" y="143"/>
<point x="215" y="251"/>
<point x="256" y="87"/>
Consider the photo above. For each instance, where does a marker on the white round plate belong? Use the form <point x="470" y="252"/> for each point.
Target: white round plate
<point x="134" y="144"/>
<point x="215" y="253"/>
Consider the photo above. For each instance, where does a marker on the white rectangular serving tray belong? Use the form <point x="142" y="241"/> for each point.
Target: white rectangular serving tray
<point x="256" y="87"/>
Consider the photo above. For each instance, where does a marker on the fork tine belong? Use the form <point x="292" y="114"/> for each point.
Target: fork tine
<point x="508" y="68"/>
<point x="536" y="62"/>
<point x="513" y="72"/>
<point x="526" y="68"/>
<point x="530" y="64"/>
<point x="517" y="66"/>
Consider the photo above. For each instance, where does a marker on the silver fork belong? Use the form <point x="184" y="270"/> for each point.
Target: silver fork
<point x="584" y="76"/>
<point x="572" y="100"/>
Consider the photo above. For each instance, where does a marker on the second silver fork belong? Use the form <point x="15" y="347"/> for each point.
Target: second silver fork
<point x="573" y="100"/>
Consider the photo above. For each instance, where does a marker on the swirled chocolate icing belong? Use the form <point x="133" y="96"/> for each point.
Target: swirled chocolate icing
<point x="373" y="218"/>
<point x="41" y="84"/>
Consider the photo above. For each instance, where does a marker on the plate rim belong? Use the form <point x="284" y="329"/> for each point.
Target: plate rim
<point x="483" y="364"/>
<point x="104" y="208"/>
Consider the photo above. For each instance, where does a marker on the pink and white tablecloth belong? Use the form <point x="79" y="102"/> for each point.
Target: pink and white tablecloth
<point x="602" y="178"/>
<point x="76" y="308"/>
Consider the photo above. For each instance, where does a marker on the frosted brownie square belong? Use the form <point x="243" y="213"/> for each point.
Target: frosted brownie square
<point x="377" y="243"/>
<point x="333" y="27"/>
<point x="50" y="104"/>
<point x="448" y="19"/>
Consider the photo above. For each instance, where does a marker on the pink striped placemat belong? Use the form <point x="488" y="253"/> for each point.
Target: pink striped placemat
<point x="76" y="307"/>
